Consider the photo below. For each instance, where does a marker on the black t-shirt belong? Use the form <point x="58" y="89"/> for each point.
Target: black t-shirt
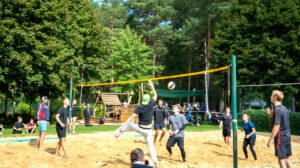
<point x="226" y="121"/>
<point x="281" y="116"/>
<point x="141" y="166"/>
<point x="63" y="114"/>
<point x="195" y="111"/>
<point x="160" y="114"/>
<point x="145" y="113"/>
<point x="74" y="111"/>
<point x="18" y="125"/>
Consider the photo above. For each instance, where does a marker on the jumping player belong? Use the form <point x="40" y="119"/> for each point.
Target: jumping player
<point x="160" y="120"/>
<point x="43" y="116"/>
<point x="144" y="112"/>
<point x="250" y="135"/>
<point x="281" y="130"/>
<point x="226" y="123"/>
<point x="61" y="125"/>
<point x="178" y="123"/>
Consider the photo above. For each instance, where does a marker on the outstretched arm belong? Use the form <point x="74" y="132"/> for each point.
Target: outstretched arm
<point x="153" y="89"/>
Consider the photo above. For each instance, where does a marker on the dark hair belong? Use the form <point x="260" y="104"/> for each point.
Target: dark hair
<point x="136" y="155"/>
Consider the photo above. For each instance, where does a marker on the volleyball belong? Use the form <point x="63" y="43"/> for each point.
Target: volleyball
<point x="171" y="85"/>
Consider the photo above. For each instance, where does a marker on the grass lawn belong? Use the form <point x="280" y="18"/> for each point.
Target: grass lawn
<point x="94" y="129"/>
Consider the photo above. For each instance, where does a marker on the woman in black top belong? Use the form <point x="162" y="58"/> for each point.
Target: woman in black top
<point x="74" y="115"/>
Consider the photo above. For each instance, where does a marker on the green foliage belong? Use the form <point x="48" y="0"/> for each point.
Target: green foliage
<point x="80" y="112"/>
<point x="130" y="58"/>
<point x="264" y="35"/>
<point x="262" y="121"/>
<point x="44" y="43"/>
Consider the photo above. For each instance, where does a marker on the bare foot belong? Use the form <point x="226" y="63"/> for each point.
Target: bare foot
<point x="66" y="156"/>
<point x="160" y="144"/>
<point x="170" y="156"/>
<point x="40" y="148"/>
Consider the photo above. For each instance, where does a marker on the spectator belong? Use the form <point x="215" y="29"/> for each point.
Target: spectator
<point x="87" y="115"/>
<point x="184" y="110"/>
<point x="196" y="114"/>
<point x="1" y="129"/>
<point x="168" y="108"/>
<point x="138" y="160"/>
<point x="189" y="113"/>
<point x="18" y="125"/>
<point x="202" y="107"/>
<point x="30" y="127"/>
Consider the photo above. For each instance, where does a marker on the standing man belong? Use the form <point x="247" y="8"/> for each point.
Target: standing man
<point x="160" y="120"/>
<point x="43" y="116"/>
<point x="168" y="108"/>
<point x="226" y="122"/>
<point x="202" y="107"/>
<point x="61" y="126"/>
<point x="196" y="114"/>
<point x="87" y="115"/>
<point x="144" y="127"/>
<point x="281" y="130"/>
<point x="74" y="115"/>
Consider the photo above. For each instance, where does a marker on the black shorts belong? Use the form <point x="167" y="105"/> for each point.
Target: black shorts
<point x="173" y="140"/>
<point x="226" y="132"/>
<point x="283" y="150"/>
<point x="74" y="115"/>
<point x="61" y="132"/>
<point x="159" y="126"/>
<point x="30" y="131"/>
<point x="250" y="141"/>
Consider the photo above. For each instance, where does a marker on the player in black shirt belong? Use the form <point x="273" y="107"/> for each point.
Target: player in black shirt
<point x="281" y="131"/>
<point x="144" y="127"/>
<point x="74" y="115"/>
<point x="61" y="126"/>
<point x="226" y="123"/>
<point x="160" y="120"/>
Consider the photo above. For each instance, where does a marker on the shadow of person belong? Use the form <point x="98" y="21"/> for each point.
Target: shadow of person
<point x="51" y="150"/>
<point x="209" y="143"/>
<point x="32" y="143"/>
<point x="119" y="161"/>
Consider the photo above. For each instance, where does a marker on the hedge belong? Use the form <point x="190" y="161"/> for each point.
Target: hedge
<point x="262" y="121"/>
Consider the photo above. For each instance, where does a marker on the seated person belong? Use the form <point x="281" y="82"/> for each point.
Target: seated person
<point x="18" y="125"/>
<point x="30" y="127"/>
<point x="1" y="129"/>
<point x="138" y="160"/>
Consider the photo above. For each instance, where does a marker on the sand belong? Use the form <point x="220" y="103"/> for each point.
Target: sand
<point x="203" y="149"/>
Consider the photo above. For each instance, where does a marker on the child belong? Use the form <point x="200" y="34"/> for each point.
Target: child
<point x="30" y="126"/>
<point x="226" y="123"/>
<point x="250" y="135"/>
<point x="145" y="114"/>
<point x="178" y="123"/>
<point x="18" y="125"/>
<point x="1" y="129"/>
<point x="61" y="125"/>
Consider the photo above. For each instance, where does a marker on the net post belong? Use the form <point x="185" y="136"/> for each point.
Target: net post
<point x="234" y="110"/>
<point x="70" y="105"/>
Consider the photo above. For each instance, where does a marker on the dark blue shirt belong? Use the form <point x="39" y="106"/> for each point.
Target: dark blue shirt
<point x="248" y="128"/>
<point x="281" y="116"/>
<point x="202" y="107"/>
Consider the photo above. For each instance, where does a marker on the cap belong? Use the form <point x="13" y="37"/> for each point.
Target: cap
<point x="44" y="97"/>
<point x="146" y="99"/>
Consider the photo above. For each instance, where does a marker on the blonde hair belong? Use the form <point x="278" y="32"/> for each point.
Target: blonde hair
<point x="178" y="106"/>
<point x="278" y="94"/>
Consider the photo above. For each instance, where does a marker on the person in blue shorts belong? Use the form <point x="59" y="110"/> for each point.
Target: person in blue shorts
<point x="43" y="116"/>
<point x="250" y="135"/>
<point x="160" y="120"/>
<point x="281" y="131"/>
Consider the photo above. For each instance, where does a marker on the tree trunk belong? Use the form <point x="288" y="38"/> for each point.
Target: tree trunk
<point x="5" y="104"/>
<point x="190" y="70"/>
<point x="293" y="104"/>
<point x="154" y="58"/>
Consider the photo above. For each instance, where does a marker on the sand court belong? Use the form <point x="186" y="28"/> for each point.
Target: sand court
<point x="203" y="149"/>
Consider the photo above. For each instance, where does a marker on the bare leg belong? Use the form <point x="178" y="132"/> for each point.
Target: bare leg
<point x="26" y="130"/>
<point x="156" y="135"/>
<point x="74" y="124"/>
<point x="58" y="147"/>
<point x="228" y="142"/>
<point x="37" y="144"/>
<point x="162" y="135"/>
<point x="288" y="162"/>
<point x="63" y="140"/>
<point x="282" y="162"/>
<point x="43" y="134"/>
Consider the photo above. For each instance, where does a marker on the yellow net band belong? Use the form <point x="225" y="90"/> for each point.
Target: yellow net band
<point x="158" y="78"/>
